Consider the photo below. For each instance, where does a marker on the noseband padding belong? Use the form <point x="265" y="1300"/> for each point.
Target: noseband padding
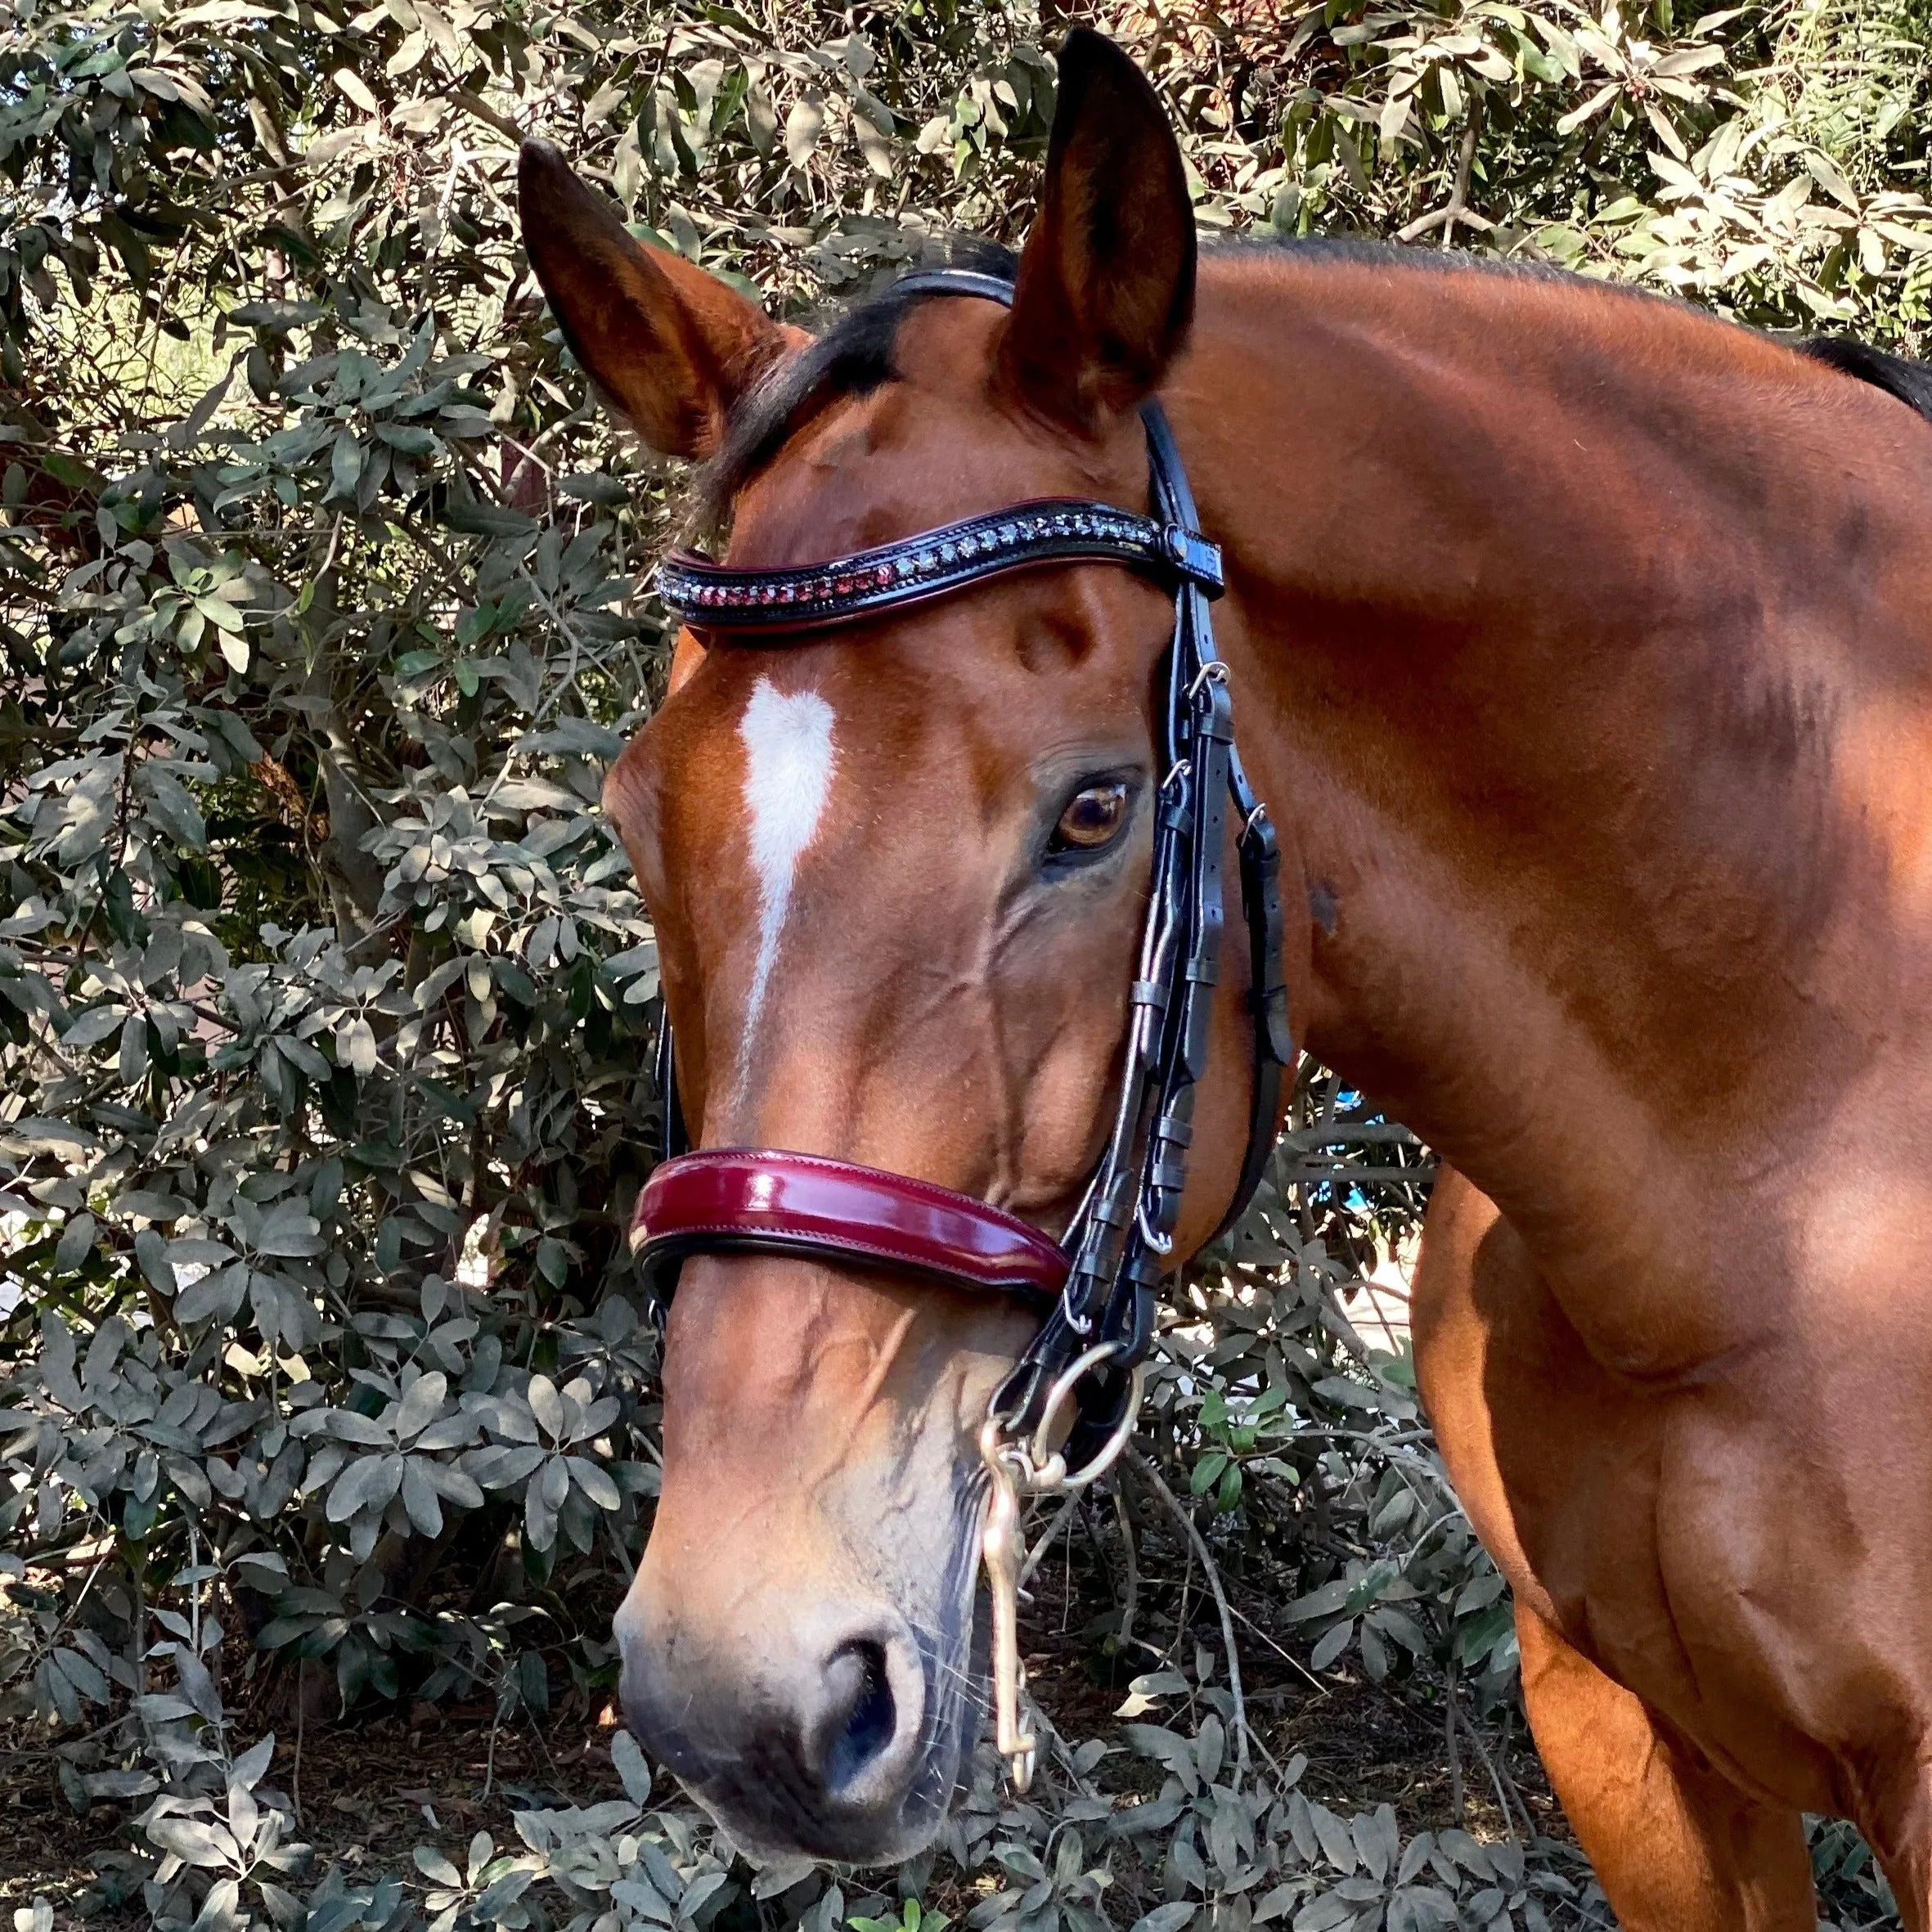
<point x="768" y="1201"/>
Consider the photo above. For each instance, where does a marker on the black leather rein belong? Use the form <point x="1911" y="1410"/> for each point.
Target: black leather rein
<point x="1120" y="1240"/>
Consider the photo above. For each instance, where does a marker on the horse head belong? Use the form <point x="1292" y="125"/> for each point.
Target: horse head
<point x="899" y="871"/>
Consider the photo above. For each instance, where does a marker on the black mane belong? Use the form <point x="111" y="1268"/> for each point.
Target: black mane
<point x="1898" y="375"/>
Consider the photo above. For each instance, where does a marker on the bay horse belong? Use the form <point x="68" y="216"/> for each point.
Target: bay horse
<point x="1579" y="646"/>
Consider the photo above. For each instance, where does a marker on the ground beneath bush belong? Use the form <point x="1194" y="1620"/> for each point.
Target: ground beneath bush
<point x="367" y="1793"/>
<point x="1366" y="1745"/>
<point x="369" y="1789"/>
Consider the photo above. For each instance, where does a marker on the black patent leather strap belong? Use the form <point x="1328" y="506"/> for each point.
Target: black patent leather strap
<point x="676" y="1136"/>
<point x="1268" y="988"/>
<point x="1260" y="862"/>
<point x="954" y="282"/>
<point x="723" y="597"/>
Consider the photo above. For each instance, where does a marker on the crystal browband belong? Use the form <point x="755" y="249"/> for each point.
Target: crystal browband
<point x="717" y="595"/>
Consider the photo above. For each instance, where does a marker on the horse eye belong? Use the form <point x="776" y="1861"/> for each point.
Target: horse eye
<point x="1093" y="816"/>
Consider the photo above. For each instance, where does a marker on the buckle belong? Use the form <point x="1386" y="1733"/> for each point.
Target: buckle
<point x="1194" y="557"/>
<point x="1016" y="1468"/>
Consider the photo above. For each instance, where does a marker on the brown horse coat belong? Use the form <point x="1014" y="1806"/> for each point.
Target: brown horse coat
<point x="1581" y="650"/>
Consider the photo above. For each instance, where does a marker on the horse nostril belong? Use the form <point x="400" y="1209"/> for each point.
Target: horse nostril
<point x="863" y="1715"/>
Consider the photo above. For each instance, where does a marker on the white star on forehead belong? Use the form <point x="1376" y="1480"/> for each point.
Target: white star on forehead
<point x="789" y="761"/>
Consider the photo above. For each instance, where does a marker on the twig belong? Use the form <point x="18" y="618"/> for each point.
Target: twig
<point x="301" y="1714"/>
<point x="1130" y="1592"/>
<point x="1067" y="1577"/>
<point x="66" y="1745"/>
<point x="528" y="449"/>
<point x="335" y="538"/>
<point x="1181" y="1612"/>
<point x="1457" y="207"/>
<point x="1376" y="1291"/>
<point x="1152" y="1477"/>
<point x="1344" y="1331"/>
<point x="1375" y="1439"/>
<point x="473" y="104"/>
<point x="1489" y="1763"/>
<point x="1455" y="1752"/>
<point x="623" y="1555"/>
<point x="1101" y="1561"/>
<point x="543" y="1746"/>
<point x="87" y="1586"/>
<point x="137" y="1626"/>
<point x="1420" y="227"/>
<point x="1038" y="1552"/>
<point x="1509" y="1725"/>
<point x="490" y="1756"/>
<point x="1063" y="1754"/>
<point x="194" y="1598"/>
<point x="1287" y="1657"/>
<point x="1459" y="200"/>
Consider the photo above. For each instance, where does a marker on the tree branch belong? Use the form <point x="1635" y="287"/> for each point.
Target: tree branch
<point x="1152" y="1477"/>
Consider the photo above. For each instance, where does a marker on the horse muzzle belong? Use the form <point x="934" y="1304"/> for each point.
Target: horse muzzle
<point x="797" y="1644"/>
<point x="814" y="1733"/>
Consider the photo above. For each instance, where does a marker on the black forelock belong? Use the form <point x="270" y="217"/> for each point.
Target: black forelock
<point x="851" y="356"/>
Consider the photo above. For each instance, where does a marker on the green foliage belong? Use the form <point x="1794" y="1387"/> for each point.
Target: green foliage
<point x="326" y="1005"/>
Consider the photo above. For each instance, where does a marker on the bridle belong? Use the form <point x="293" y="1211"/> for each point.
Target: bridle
<point x="1097" y="1287"/>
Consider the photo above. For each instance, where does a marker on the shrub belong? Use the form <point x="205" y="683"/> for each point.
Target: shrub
<point x="327" y="1003"/>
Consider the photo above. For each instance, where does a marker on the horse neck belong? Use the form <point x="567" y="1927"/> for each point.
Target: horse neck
<point x="1552" y="609"/>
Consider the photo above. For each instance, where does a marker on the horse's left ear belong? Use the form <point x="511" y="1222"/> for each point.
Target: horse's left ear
<point x="1107" y="279"/>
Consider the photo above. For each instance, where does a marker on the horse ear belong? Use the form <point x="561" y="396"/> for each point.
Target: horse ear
<point x="672" y="347"/>
<point x="1107" y="279"/>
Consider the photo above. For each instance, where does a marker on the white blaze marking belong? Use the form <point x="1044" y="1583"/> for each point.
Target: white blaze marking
<point x="787" y="777"/>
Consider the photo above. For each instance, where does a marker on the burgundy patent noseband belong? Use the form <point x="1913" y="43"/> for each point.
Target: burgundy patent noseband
<point x="761" y="1200"/>
<point x="1099" y="1282"/>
